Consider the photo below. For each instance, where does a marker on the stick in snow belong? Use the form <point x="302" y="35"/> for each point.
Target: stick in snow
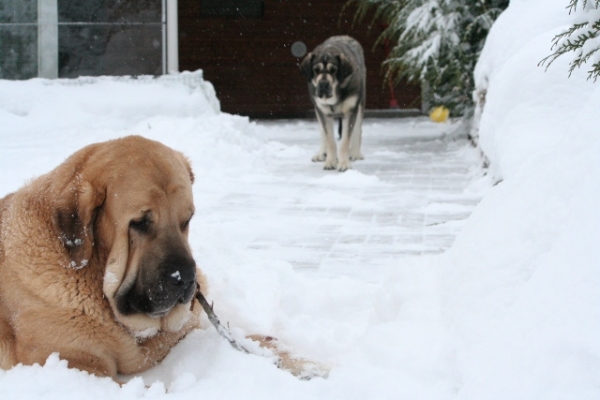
<point x="212" y="317"/>
<point x="300" y="368"/>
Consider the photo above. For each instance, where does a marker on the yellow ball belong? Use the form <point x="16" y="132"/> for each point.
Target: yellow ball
<point x="439" y="114"/>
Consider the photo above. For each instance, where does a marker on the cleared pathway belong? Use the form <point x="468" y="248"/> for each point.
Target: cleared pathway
<point x="409" y="197"/>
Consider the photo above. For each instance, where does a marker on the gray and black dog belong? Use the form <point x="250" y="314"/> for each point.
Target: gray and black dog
<point x="336" y="75"/>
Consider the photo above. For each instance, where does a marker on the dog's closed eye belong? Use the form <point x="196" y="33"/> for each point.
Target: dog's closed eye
<point x="141" y="225"/>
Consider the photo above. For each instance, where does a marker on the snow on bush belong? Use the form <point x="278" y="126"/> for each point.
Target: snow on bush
<point x="435" y="43"/>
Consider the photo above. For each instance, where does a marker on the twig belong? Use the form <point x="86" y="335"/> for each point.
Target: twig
<point x="212" y="317"/>
<point x="300" y="368"/>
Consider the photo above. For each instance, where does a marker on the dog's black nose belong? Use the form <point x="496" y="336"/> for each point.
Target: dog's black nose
<point x="323" y="89"/>
<point x="178" y="269"/>
<point x="182" y="282"/>
<point x="179" y="278"/>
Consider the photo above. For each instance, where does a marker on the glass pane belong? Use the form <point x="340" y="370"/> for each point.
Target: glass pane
<point x="18" y="11"/>
<point x="94" y="50"/>
<point x="109" y="37"/>
<point x="18" y="51"/>
<point x="109" y="11"/>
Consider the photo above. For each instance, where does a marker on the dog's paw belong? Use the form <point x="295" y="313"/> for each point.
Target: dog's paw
<point x="344" y="166"/>
<point x="331" y="163"/>
<point x="319" y="157"/>
<point x="285" y="359"/>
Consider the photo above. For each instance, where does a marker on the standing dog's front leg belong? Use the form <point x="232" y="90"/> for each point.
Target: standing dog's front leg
<point x="331" y="161"/>
<point x="348" y="126"/>
<point x="331" y="149"/>
<point x="322" y="153"/>
<point x="344" y="161"/>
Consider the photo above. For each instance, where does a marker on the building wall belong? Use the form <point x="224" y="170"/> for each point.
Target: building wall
<point x="249" y="60"/>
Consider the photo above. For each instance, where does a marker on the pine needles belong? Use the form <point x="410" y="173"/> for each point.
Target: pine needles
<point x="582" y="39"/>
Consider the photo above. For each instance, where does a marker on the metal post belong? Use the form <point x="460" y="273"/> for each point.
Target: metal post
<point x="48" y="39"/>
<point x="172" y="38"/>
<point x="425" y="89"/>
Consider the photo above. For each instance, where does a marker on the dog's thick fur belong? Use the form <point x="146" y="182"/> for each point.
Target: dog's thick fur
<point x="95" y="262"/>
<point x="336" y="75"/>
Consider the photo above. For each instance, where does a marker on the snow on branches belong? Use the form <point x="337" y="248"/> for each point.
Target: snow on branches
<point x="582" y="38"/>
<point x="436" y="42"/>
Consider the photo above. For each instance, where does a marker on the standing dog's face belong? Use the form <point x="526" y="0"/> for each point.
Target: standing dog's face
<point x="326" y="72"/>
<point x="135" y="206"/>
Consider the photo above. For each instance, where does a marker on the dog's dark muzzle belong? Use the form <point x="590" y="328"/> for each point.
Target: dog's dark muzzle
<point x="324" y="89"/>
<point x="155" y="294"/>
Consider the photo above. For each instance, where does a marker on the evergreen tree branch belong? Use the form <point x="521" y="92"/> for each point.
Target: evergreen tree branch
<point x="579" y="40"/>
<point x="434" y="41"/>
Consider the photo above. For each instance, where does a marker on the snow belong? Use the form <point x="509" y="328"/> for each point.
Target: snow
<point x="510" y="310"/>
<point x="529" y="252"/>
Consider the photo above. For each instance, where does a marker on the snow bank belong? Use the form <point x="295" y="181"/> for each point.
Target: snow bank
<point x="182" y="111"/>
<point x="523" y="286"/>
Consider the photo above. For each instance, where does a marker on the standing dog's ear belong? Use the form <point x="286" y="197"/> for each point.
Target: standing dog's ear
<point x="306" y="66"/>
<point x="345" y="70"/>
<point x="73" y="219"/>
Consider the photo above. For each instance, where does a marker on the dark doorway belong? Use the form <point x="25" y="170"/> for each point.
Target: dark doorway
<point x="251" y="61"/>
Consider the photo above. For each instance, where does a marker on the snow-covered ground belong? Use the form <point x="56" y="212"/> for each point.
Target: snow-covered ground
<point x="510" y="311"/>
<point x="307" y="255"/>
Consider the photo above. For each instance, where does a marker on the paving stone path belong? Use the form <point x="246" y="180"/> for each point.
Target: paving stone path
<point x="409" y="197"/>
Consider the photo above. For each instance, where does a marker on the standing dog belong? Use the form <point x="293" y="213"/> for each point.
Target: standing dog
<point x="336" y="76"/>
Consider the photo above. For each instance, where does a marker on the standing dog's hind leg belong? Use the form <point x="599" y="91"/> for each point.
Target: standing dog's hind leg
<point x="356" y="138"/>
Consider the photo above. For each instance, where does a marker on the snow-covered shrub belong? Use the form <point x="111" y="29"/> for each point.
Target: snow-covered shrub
<point x="436" y="42"/>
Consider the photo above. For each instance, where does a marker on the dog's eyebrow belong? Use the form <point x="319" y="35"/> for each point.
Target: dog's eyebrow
<point x="146" y="213"/>
<point x="175" y="188"/>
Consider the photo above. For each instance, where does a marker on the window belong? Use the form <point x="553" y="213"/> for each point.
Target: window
<point x="18" y="39"/>
<point x="71" y="38"/>
<point x="109" y="37"/>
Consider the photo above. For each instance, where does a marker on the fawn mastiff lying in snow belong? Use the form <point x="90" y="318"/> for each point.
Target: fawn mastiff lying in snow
<point x="95" y="263"/>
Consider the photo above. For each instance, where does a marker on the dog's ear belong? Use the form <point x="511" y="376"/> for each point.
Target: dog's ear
<point x="306" y="66"/>
<point x="188" y="166"/>
<point x="345" y="70"/>
<point x="73" y="220"/>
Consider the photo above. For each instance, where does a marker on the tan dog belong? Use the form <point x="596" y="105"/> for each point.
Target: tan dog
<point x="95" y="262"/>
